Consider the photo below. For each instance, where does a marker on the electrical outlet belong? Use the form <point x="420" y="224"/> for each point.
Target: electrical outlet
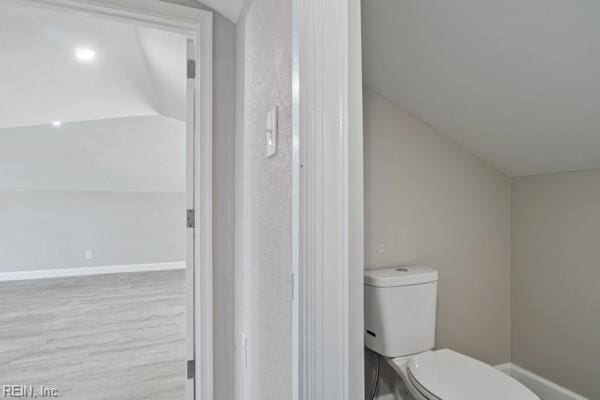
<point x="380" y="248"/>
<point x="89" y="255"/>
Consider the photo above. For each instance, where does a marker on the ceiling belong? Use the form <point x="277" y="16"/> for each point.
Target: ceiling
<point x="122" y="113"/>
<point x="514" y="82"/>
<point x="231" y="9"/>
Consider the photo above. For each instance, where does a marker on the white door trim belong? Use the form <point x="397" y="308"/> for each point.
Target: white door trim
<point x="197" y="24"/>
<point x="328" y="207"/>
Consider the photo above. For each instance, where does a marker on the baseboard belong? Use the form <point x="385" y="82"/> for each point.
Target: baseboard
<point x="542" y="387"/>
<point x="506" y="367"/>
<point x="83" y="271"/>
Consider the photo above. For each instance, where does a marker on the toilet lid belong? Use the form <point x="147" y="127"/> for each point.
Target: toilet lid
<point x="447" y="375"/>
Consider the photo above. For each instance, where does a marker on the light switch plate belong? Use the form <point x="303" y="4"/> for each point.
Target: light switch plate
<point x="271" y="132"/>
<point x="244" y="345"/>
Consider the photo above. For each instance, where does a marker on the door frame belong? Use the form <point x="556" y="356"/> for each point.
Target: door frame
<point x="197" y="24"/>
<point x="328" y="227"/>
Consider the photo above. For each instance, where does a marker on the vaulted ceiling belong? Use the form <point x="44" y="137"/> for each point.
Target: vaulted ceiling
<point x="229" y="8"/>
<point x="514" y="82"/>
<point x="121" y="114"/>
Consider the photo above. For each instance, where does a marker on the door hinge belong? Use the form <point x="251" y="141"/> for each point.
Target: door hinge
<point x="191" y="218"/>
<point x="191" y="69"/>
<point x="191" y="369"/>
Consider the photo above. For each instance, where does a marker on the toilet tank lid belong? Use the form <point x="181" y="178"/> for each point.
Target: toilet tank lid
<point x="400" y="276"/>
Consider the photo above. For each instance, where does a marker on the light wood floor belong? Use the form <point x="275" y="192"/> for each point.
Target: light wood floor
<point x="117" y="337"/>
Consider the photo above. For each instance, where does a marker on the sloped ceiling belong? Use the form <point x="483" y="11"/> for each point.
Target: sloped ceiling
<point x="164" y="54"/>
<point x="229" y="8"/>
<point x="514" y="81"/>
<point x="122" y="114"/>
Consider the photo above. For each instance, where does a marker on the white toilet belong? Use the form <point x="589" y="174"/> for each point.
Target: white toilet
<point x="400" y="314"/>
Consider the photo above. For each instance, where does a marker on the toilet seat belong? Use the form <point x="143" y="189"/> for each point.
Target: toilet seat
<point x="447" y="375"/>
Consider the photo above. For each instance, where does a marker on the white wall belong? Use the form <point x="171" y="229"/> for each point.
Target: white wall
<point x="263" y="201"/>
<point x="428" y="201"/>
<point x="131" y="154"/>
<point x="49" y="230"/>
<point x="555" y="278"/>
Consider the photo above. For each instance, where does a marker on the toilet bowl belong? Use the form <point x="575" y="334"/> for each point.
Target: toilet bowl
<point x="400" y="314"/>
<point x="448" y="375"/>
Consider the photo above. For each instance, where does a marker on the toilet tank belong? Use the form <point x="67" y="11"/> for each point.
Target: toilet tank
<point x="400" y="310"/>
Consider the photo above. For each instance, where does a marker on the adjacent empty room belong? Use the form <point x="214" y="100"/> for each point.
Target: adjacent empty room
<point x="93" y="189"/>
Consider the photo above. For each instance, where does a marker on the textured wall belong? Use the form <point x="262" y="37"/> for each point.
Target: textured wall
<point x="48" y="230"/>
<point x="556" y="278"/>
<point x="264" y="198"/>
<point x="428" y="201"/>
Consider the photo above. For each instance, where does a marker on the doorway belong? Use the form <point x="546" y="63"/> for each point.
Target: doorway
<point x="108" y="289"/>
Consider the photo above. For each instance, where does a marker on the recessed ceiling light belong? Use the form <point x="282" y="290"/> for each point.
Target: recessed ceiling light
<point x="56" y="123"/>
<point x="85" y="54"/>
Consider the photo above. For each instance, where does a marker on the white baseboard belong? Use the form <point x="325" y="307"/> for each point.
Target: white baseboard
<point x="504" y="367"/>
<point x="83" y="271"/>
<point x="542" y="387"/>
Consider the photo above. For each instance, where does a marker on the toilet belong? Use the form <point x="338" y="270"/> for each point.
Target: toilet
<point x="400" y="315"/>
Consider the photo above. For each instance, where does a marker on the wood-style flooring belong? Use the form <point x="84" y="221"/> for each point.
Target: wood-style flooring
<point x="102" y="337"/>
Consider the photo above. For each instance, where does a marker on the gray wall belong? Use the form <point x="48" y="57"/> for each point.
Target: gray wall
<point x="223" y="202"/>
<point x="428" y="201"/>
<point x="49" y="230"/>
<point x="263" y="201"/>
<point x="556" y="278"/>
